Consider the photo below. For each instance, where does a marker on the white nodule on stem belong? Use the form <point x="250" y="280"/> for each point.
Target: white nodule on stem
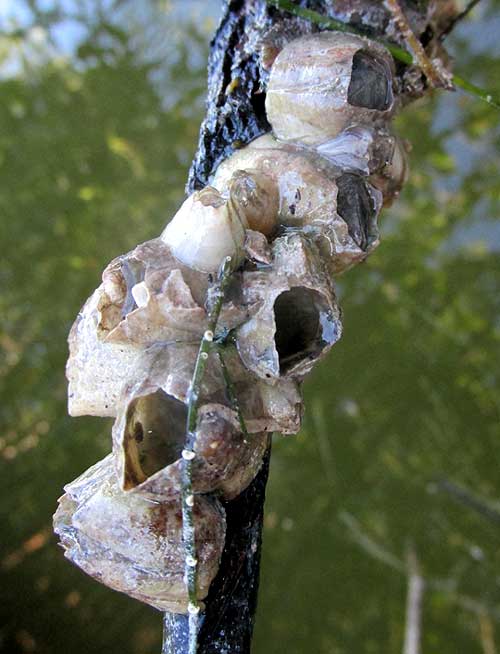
<point x="204" y="355"/>
<point x="205" y="230"/>
<point x="193" y="609"/>
<point x="190" y="500"/>
<point x="208" y="336"/>
<point x="191" y="561"/>
<point x="188" y="455"/>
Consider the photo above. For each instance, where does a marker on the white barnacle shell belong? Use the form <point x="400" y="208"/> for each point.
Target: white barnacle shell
<point x="336" y="205"/>
<point x="322" y="83"/>
<point x="297" y="320"/>
<point x="205" y="230"/>
<point x="134" y="545"/>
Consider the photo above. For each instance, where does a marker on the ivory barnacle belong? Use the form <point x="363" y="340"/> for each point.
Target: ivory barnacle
<point x="322" y="83"/>
<point x="312" y="193"/>
<point x="134" y="545"/>
<point x="205" y="230"/>
<point x="373" y="152"/>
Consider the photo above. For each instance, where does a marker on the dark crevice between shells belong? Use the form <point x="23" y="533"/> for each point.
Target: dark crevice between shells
<point x="355" y="206"/>
<point x="302" y="326"/>
<point x="154" y="435"/>
<point x="133" y="273"/>
<point x="370" y="84"/>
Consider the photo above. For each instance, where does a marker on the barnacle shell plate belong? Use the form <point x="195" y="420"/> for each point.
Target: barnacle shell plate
<point x="322" y="83"/>
<point x="134" y="545"/>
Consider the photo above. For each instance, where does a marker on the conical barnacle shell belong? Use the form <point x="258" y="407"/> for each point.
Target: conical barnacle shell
<point x="134" y="545"/>
<point x="298" y="319"/>
<point x="149" y="435"/>
<point x="115" y="339"/>
<point x="373" y="152"/>
<point x="322" y="83"/>
<point x="205" y="230"/>
<point x="338" y="208"/>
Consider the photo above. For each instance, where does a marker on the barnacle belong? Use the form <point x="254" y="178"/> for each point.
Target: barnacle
<point x="298" y="319"/>
<point x="134" y="545"/>
<point x="337" y="207"/>
<point x="322" y="83"/>
<point x="290" y="210"/>
<point x="205" y="230"/>
<point x="149" y="436"/>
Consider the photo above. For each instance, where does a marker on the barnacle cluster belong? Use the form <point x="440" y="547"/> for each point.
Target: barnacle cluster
<point x="292" y="209"/>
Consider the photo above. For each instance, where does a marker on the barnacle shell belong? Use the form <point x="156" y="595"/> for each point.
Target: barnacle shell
<point x="205" y="230"/>
<point x="322" y="83"/>
<point x="134" y="545"/>
<point x="256" y="197"/>
<point x="149" y="435"/>
<point x="115" y="340"/>
<point x="374" y="152"/>
<point x="336" y="207"/>
<point x="298" y="319"/>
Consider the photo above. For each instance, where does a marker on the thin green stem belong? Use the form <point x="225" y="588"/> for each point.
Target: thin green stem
<point x="400" y="54"/>
<point x="216" y="299"/>
<point x="231" y="393"/>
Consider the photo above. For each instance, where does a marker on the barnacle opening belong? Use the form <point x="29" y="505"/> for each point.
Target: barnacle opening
<point x="304" y="326"/>
<point x="371" y="85"/>
<point x="356" y="207"/>
<point x="154" y="435"/>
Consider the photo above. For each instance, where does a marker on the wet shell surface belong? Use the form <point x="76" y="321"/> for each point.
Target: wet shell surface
<point x="298" y="319"/>
<point x="134" y="545"/>
<point x="338" y="207"/>
<point x="321" y="84"/>
<point x="149" y="436"/>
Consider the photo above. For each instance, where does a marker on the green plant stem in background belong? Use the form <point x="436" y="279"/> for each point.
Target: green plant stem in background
<point x="188" y="454"/>
<point x="400" y="54"/>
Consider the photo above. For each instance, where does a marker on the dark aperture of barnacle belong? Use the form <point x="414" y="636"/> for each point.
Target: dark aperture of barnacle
<point x="371" y="82"/>
<point x="154" y="435"/>
<point x="356" y="207"/>
<point x="149" y="436"/>
<point x="323" y="83"/>
<point x="303" y="326"/>
<point x="296" y="319"/>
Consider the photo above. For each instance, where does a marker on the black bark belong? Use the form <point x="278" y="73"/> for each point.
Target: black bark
<point x="235" y="116"/>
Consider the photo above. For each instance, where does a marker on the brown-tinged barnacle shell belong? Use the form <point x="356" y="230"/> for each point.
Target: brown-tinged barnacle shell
<point x="205" y="230"/>
<point x="322" y="83"/>
<point x="149" y="435"/>
<point x="298" y="319"/>
<point x="337" y="206"/>
<point x="255" y="196"/>
<point x="134" y="545"/>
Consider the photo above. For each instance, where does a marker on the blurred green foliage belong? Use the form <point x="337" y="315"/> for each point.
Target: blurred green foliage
<point x="401" y="438"/>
